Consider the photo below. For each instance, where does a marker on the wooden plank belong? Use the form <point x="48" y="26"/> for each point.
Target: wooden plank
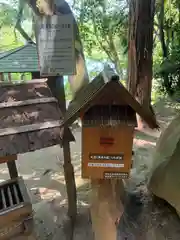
<point x="13" y="172"/>
<point x="68" y="167"/>
<point x="27" y="102"/>
<point x="24" y="191"/>
<point x="29" y="128"/>
<point x="31" y="141"/>
<point x="16" y="83"/>
<point x="8" y="158"/>
<point x="7" y="182"/>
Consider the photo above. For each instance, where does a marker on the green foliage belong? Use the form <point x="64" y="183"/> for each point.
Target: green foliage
<point x="68" y="91"/>
<point x="8" y="15"/>
<point x="103" y="27"/>
<point x="167" y="53"/>
<point x="8" y="40"/>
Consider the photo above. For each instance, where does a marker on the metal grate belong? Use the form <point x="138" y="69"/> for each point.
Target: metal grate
<point x="109" y="115"/>
<point x="10" y="196"/>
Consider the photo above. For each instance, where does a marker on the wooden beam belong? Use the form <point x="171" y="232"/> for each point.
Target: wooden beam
<point x="1" y="77"/>
<point x="29" y="128"/>
<point x="11" y="164"/>
<point x="43" y="80"/>
<point x="8" y="158"/>
<point x="27" y="102"/>
<point x="9" y="77"/>
<point x="58" y="91"/>
<point x="13" y="172"/>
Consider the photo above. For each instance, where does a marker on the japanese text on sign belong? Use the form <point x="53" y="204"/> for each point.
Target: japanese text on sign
<point x="106" y="157"/>
<point x="106" y="165"/>
<point x="57" y="46"/>
<point x="110" y="175"/>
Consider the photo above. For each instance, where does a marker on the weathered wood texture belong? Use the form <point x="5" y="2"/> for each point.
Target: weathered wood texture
<point x="15" y="209"/>
<point x="24" y="90"/>
<point x="57" y="87"/>
<point x="98" y="90"/>
<point x="106" y="208"/>
<point x="14" y="118"/>
<point x="8" y="158"/>
<point x="15" y="204"/>
<point x="122" y="145"/>
<point x="13" y="172"/>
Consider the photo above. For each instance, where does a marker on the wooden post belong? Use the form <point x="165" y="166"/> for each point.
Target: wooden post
<point x="9" y="77"/>
<point x="11" y="164"/>
<point x="56" y="85"/>
<point x="106" y="207"/>
<point x="12" y="169"/>
<point x="1" y="77"/>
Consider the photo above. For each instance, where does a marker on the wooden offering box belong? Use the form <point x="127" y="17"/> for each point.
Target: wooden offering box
<point x="108" y="113"/>
<point x="107" y="135"/>
<point x="15" y="208"/>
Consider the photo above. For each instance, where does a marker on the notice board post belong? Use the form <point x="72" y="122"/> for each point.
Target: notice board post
<point x="56" y="49"/>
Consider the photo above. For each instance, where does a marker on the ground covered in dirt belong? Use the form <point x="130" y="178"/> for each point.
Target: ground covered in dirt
<point x="145" y="218"/>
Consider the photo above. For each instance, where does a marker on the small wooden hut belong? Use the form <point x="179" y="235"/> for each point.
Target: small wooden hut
<point x="23" y="60"/>
<point x="30" y="120"/>
<point x="108" y="113"/>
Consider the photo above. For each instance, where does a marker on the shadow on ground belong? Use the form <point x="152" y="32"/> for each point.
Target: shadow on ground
<point x="148" y="218"/>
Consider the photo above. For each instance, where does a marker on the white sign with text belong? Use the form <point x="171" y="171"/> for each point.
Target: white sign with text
<point x="56" y="46"/>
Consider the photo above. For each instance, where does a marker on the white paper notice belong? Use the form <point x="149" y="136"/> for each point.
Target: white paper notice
<point x="57" y="46"/>
<point x="106" y="165"/>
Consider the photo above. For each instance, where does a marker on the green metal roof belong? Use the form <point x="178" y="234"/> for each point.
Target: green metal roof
<point x="21" y="59"/>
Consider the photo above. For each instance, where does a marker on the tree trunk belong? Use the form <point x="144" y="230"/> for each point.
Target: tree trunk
<point x="141" y="23"/>
<point x="161" y="30"/>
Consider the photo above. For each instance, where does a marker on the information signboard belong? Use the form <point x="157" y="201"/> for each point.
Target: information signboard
<point x="56" y="46"/>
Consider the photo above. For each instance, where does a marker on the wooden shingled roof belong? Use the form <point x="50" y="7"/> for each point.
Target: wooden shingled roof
<point x="30" y="118"/>
<point x="21" y="59"/>
<point x="105" y="86"/>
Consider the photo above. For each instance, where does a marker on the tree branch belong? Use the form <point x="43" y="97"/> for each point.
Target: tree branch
<point x="32" y="4"/>
<point x="100" y="42"/>
<point x="18" y="24"/>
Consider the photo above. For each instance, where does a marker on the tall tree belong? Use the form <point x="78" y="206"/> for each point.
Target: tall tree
<point x="167" y="25"/>
<point x="141" y="22"/>
<point x="104" y="26"/>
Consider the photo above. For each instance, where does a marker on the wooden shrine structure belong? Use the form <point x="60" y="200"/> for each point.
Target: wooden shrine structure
<point x="22" y="60"/>
<point x="30" y="120"/>
<point x="108" y="113"/>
